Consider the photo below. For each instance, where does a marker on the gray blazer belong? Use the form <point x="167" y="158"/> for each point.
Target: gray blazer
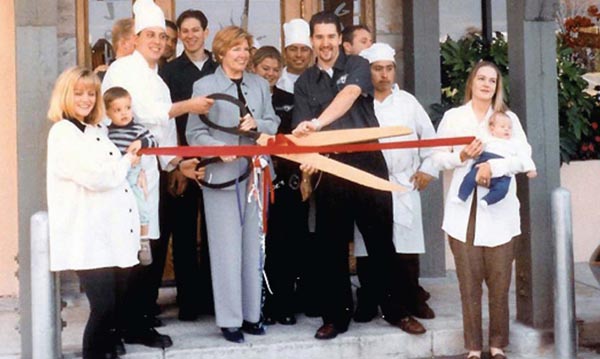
<point x="258" y="98"/>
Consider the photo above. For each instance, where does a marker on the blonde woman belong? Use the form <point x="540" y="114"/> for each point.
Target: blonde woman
<point x="93" y="219"/>
<point x="481" y="239"/>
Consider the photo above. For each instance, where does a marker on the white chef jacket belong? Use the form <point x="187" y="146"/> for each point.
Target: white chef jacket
<point x="287" y="80"/>
<point x="151" y="103"/>
<point x="497" y="224"/>
<point x="402" y="109"/>
<point x="92" y="213"/>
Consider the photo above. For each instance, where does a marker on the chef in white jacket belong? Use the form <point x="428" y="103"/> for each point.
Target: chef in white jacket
<point x="413" y="169"/>
<point x="152" y="107"/>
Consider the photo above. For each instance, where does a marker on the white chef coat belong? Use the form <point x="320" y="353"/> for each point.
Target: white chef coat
<point x="151" y="103"/>
<point x="402" y="109"/>
<point x="93" y="218"/>
<point x="497" y="224"/>
<point x="287" y="80"/>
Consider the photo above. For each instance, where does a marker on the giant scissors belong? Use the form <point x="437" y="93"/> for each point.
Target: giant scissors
<point x="307" y="149"/>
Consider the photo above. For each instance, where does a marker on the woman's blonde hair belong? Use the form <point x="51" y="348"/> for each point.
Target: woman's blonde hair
<point x="498" y="103"/>
<point x="227" y="38"/>
<point x="62" y="101"/>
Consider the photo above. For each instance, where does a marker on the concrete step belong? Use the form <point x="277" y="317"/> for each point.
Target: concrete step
<point x="202" y="339"/>
<point x="444" y="337"/>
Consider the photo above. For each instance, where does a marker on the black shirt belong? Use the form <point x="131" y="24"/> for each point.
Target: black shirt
<point x="315" y="90"/>
<point x="180" y="75"/>
<point x="283" y="103"/>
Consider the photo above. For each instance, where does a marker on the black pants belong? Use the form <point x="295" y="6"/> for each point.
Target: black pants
<point x="287" y="235"/>
<point x="340" y="204"/>
<point x="104" y="290"/>
<point x="406" y="277"/>
<point x="179" y="219"/>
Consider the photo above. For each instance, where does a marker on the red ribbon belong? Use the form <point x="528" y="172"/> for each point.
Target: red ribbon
<point x="280" y="145"/>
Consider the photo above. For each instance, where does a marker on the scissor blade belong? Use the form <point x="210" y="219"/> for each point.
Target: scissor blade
<point x="345" y="171"/>
<point x="335" y="137"/>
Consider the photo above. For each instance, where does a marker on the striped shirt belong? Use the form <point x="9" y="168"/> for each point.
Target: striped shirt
<point x="123" y="136"/>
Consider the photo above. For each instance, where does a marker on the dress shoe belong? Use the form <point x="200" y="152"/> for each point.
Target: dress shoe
<point x="148" y="337"/>
<point x="411" y="325"/>
<point x="328" y="331"/>
<point x="498" y="356"/>
<point x="423" y="311"/>
<point x="287" y="319"/>
<point x="254" y="328"/>
<point x="233" y="335"/>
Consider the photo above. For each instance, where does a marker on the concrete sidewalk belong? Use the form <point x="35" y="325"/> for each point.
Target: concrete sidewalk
<point x="202" y="339"/>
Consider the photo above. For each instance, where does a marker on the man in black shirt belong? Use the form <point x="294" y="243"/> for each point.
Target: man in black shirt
<point x="181" y="199"/>
<point x="337" y="93"/>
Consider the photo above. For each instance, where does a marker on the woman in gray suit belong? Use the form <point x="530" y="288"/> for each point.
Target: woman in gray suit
<point x="232" y="220"/>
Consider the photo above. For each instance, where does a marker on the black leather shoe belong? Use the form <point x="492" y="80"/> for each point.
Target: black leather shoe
<point x="234" y="335"/>
<point x="287" y="320"/>
<point x="328" y="331"/>
<point x="254" y="328"/>
<point x="148" y="337"/>
<point x="423" y="311"/>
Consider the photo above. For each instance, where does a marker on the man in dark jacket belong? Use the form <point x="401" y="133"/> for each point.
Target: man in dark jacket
<point x="181" y="199"/>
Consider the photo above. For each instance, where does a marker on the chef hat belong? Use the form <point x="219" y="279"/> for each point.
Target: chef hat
<point x="379" y="52"/>
<point x="297" y="31"/>
<point x="148" y="14"/>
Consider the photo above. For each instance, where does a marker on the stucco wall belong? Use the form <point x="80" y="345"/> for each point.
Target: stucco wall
<point x="9" y="238"/>
<point x="582" y="179"/>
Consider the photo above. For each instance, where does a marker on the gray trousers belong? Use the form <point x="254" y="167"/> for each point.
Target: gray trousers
<point x="235" y="255"/>
<point x="474" y="265"/>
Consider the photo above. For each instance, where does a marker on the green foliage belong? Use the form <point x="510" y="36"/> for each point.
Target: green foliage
<point x="574" y="105"/>
<point x="459" y="57"/>
<point x="577" y="135"/>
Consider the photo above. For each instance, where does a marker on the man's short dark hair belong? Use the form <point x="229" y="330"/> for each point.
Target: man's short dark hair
<point x="348" y="33"/>
<point x="171" y="24"/>
<point x="325" y="17"/>
<point x="195" y="14"/>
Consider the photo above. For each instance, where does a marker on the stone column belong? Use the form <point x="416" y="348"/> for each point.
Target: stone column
<point x="534" y="98"/>
<point x="422" y="78"/>
<point x="37" y="63"/>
